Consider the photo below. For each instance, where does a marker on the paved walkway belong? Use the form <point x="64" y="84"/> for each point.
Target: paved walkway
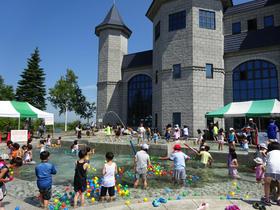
<point x="189" y="204"/>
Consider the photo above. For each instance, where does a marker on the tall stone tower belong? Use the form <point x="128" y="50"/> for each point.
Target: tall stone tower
<point x="188" y="60"/>
<point x="113" y="38"/>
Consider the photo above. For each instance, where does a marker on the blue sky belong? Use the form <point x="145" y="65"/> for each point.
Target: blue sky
<point x="64" y="32"/>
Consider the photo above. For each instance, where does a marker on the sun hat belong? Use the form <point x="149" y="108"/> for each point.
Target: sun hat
<point x="258" y="160"/>
<point x="231" y="129"/>
<point x="263" y="145"/>
<point x="250" y="119"/>
<point x="177" y="147"/>
<point x="272" y="140"/>
<point x="145" y="146"/>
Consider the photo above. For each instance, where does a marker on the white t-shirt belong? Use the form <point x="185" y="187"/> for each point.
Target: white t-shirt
<point x="186" y="131"/>
<point x="141" y="131"/>
<point x="142" y="158"/>
<point x="273" y="162"/>
<point x="109" y="176"/>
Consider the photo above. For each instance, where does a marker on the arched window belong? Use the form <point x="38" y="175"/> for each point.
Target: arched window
<point x="139" y="100"/>
<point x="255" y="80"/>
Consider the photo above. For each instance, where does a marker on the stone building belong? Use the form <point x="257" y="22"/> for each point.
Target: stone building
<point x="206" y="53"/>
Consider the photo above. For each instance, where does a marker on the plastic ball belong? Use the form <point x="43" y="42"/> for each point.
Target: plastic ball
<point x="55" y="200"/>
<point x="127" y="203"/>
<point x="145" y="199"/>
<point x="92" y="200"/>
<point x="88" y="194"/>
<point x="231" y="193"/>
<point x="234" y="184"/>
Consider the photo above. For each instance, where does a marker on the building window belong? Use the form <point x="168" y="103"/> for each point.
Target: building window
<point x="177" y="21"/>
<point x="252" y="25"/>
<point x="236" y="28"/>
<point x="207" y="19"/>
<point x="268" y="21"/>
<point x="157" y="31"/>
<point x="156" y="77"/>
<point x="176" y="71"/>
<point x="156" y="120"/>
<point x="209" y="70"/>
<point x="177" y="118"/>
<point x="139" y="100"/>
<point x="255" y="80"/>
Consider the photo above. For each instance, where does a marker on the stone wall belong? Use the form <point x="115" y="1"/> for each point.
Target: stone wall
<point x="251" y="14"/>
<point x="112" y="48"/>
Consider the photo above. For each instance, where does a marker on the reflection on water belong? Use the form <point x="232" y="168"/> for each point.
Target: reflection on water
<point x="197" y="177"/>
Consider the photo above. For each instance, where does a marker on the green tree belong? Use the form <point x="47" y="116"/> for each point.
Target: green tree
<point x="6" y="91"/>
<point x="31" y="88"/>
<point x="67" y="96"/>
<point x="89" y="111"/>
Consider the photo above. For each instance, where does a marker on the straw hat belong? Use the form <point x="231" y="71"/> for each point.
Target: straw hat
<point x="258" y="160"/>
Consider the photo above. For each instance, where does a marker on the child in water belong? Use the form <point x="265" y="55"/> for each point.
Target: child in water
<point x="109" y="171"/>
<point x="75" y="147"/>
<point x="221" y="139"/>
<point x="80" y="178"/>
<point x="58" y="142"/>
<point x="156" y="136"/>
<point x="27" y="157"/>
<point x="179" y="158"/>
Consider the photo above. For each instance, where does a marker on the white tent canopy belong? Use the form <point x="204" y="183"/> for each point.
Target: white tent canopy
<point x="15" y="109"/>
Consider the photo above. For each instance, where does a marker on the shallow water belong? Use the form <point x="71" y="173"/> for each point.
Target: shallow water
<point x="197" y="177"/>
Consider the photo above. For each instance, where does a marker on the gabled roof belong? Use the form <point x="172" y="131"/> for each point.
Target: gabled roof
<point x="138" y="59"/>
<point x="156" y="4"/>
<point x="113" y="20"/>
<point x="249" y="6"/>
<point x="262" y="38"/>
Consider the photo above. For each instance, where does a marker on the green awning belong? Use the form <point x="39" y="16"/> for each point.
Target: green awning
<point x="24" y="109"/>
<point x="259" y="108"/>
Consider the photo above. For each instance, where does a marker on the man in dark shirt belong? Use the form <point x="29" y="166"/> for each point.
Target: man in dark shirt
<point x="272" y="130"/>
<point x="253" y="131"/>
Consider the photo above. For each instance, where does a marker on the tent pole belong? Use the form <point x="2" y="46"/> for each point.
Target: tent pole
<point x="53" y="130"/>
<point x="19" y="123"/>
<point x="259" y="124"/>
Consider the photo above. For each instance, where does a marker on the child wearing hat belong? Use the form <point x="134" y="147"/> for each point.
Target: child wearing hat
<point x="259" y="169"/>
<point x="141" y="163"/>
<point x="179" y="158"/>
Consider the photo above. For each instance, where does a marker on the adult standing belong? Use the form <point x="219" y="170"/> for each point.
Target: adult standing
<point x="79" y="131"/>
<point x="272" y="130"/>
<point x="177" y="132"/>
<point x="141" y="133"/>
<point x="215" y="132"/>
<point x="253" y="131"/>
<point x="186" y="132"/>
<point x="108" y="133"/>
<point x="272" y="170"/>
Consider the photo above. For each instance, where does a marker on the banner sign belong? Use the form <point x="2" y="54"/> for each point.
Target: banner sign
<point x="49" y="121"/>
<point x="19" y="135"/>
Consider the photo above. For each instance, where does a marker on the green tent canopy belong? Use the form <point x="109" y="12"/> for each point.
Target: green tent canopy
<point x="261" y="108"/>
<point x="16" y="109"/>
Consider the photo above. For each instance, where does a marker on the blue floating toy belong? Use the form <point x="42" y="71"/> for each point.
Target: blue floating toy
<point x="17" y="208"/>
<point x="162" y="200"/>
<point x="51" y="207"/>
<point x="155" y="203"/>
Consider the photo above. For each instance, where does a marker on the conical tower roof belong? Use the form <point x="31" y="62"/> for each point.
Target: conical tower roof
<point x="113" y="20"/>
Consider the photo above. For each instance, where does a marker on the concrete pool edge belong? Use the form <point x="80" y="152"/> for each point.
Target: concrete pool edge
<point x="244" y="158"/>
